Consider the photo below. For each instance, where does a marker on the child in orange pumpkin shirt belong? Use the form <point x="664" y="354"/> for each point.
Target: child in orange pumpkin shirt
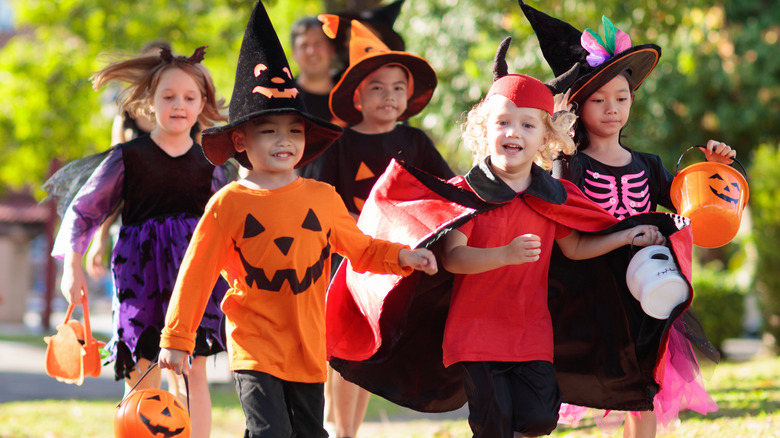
<point x="271" y="235"/>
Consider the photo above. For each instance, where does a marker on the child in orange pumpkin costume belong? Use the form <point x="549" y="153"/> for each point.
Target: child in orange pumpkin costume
<point x="271" y="235"/>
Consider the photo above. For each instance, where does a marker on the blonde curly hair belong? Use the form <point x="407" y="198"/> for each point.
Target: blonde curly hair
<point x="474" y="134"/>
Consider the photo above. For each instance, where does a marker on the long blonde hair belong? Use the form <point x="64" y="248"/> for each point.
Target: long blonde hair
<point x="143" y="73"/>
<point x="474" y="134"/>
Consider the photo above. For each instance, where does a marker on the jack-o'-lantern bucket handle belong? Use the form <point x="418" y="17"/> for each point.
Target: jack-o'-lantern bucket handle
<point x="699" y="146"/>
<point x="712" y="195"/>
<point x="150" y="368"/>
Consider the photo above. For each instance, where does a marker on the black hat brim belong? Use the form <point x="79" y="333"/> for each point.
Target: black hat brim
<point x="637" y="62"/>
<point x="218" y="142"/>
<point x="423" y="76"/>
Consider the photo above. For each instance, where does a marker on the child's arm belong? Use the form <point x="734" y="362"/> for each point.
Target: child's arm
<point x="419" y="259"/>
<point x="73" y="282"/>
<point x="94" y="259"/>
<point x="578" y="246"/>
<point x="459" y="258"/>
<point x="719" y="152"/>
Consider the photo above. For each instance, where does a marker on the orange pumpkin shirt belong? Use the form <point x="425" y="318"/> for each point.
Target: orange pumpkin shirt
<point x="273" y="247"/>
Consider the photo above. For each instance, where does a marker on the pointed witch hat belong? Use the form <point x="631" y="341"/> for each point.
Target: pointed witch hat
<point x="599" y="60"/>
<point x="264" y="86"/>
<point x="379" y="20"/>
<point x="366" y="54"/>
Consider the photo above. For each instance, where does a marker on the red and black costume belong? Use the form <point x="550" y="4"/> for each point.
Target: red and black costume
<point x="385" y="333"/>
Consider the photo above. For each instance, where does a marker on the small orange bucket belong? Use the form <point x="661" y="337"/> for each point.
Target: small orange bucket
<point x="712" y="196"/>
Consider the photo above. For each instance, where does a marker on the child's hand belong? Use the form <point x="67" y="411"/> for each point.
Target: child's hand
<point x="175" y="360"/>
<point x="645" y="235"/>
<point x="719" y="152"/>
<point x="523" y="249"/>
<point x="562" y="102"/>
<point x="73" y="283"/>
<point x="420" y="259"/>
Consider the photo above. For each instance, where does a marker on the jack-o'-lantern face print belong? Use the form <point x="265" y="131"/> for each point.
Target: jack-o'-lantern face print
<point x="282" y="243"/>
<point x="275" y="85"/>
<point x="728" y="191"/>
<point x="151" y="413"/>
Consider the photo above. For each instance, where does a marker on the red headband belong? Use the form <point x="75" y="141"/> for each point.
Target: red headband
<point x="523" y="91"/>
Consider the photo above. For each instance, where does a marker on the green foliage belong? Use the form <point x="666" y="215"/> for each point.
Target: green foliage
<point x="50" y="108"/>
<point x="717" y="302"/>
<point x="764" y="193"/>
<point x="717" y="78"/>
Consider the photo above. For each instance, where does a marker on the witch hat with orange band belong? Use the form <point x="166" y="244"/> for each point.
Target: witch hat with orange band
<point x="600" y="60"/>
<point x="367" y="53"/>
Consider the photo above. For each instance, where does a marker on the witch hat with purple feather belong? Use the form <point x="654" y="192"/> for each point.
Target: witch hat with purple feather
<point x="600" y="60"/>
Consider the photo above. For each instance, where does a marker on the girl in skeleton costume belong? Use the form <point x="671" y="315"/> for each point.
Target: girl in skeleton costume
<point x="162" y="181"/>
<point x="622" y="181"/>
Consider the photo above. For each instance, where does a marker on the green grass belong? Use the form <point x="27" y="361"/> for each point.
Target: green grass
<point x="747" y="393"/>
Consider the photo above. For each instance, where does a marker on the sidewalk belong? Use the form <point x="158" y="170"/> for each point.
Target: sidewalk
<point x="23" y="366"/>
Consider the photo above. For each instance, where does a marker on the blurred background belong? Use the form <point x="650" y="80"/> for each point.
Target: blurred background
<point x="718" y="78"/>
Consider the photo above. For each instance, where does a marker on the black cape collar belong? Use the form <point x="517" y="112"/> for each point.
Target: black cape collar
<point x="490" y="188"/>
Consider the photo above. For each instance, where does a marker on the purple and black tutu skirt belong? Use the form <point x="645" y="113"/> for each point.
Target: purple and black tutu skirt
<point x="145" y="264"/>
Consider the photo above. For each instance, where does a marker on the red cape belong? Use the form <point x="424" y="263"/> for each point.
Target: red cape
<point x="385" y="332"/>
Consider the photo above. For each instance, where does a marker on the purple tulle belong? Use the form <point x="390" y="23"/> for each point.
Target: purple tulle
<point x="145" y="264"/>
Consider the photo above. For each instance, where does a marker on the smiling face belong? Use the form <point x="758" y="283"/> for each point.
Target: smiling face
<point x="314" y="53"/>
<point x="273" y="144"/>
<point x="382" y="97"/>
<point x="606" y="111"/>
<point x="177" y="102"/>
<point x="514" y="135"/>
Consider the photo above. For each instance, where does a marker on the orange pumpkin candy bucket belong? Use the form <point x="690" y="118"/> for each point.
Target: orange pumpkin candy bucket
<point x="713" y="196"/>
<point x="72" y="353"/>
<point x="152" y="413"/>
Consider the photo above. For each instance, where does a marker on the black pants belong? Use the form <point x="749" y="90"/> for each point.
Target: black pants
<point x="508" y="397"/>
<point x="276" y="408"/>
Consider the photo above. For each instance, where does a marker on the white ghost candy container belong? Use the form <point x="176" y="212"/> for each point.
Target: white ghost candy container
<point x="654" y="280"/>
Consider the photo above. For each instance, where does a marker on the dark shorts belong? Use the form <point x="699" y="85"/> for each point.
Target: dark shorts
<point x="508" y="397"/>
<point x="149" y="348"/>
<point x="276" y="408"/>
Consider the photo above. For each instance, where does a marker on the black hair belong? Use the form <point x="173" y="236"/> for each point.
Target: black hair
<point x="304" y="24"/>
<point x="581" y="138"/>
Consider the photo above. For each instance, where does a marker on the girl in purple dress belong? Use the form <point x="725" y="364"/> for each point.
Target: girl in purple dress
<point x="161" y="183"/>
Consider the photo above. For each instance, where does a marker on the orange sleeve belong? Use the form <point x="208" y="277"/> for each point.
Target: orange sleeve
<point x="199" y="271"/>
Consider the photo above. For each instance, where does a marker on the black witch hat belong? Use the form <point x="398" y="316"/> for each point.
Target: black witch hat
<point x="599" y="60"/>
<point x="264" y="86"/>
<point x="379" y="20"/>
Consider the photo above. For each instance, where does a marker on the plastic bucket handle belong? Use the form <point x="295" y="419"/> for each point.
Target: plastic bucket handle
<point x="733" y="160"/>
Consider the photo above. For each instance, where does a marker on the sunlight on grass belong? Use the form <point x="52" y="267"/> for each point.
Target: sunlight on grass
<point x="748" y="395"/>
